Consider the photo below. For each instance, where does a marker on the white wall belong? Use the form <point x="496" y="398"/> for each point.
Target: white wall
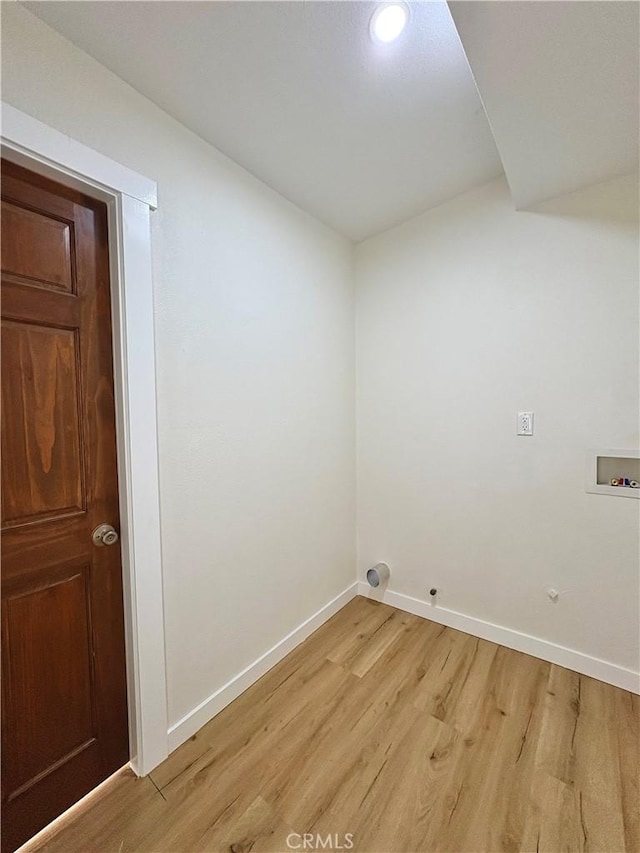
<point x="467" y="315"/>
<point x="254" y="334"/>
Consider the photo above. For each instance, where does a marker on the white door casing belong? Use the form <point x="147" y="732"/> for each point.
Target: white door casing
<point x="130" y="199"/>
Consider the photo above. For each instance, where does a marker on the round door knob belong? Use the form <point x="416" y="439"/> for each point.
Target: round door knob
<point x="104" y="534"/>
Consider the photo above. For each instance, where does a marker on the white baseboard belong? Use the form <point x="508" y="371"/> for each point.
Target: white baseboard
<point x="182" y="730"/>
<point x="627" y="679"/>
<point x="577" y="661"/>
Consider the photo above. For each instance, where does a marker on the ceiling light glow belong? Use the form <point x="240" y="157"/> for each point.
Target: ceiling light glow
<point x="388" y="21"/>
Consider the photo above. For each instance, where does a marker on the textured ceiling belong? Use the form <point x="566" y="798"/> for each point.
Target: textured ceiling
<point x="364" y="136"/>
<point x="559" y="82"/>
<point x="361" y="135"/>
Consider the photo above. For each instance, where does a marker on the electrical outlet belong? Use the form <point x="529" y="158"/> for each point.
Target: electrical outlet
<point x="525" y="423"/>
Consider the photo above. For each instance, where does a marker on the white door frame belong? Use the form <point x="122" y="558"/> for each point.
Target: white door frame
<point x="130" y="198"/>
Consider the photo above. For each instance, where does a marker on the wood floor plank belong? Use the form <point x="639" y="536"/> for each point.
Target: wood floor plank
<point x="115" y="820"/>
<point x="409" y="736"/>
<point x="392" y="630"/>
<point x="259" y="829"/>
<point x="370" y="620"/>
<point x="305" y="788"/>
<point x="627" y="727"/>
<point x="556" y="751"/>
<point x="407" y="786"/>
<point x="553" y="817"/>
<point x="598" y="783"/>
<point x="486" y="799"/>
<point x="233" y="771"/>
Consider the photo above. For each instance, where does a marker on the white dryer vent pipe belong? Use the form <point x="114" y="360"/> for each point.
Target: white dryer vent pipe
<point x="378" y="575"/>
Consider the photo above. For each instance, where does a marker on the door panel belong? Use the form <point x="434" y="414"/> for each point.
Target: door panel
<point x="36" y="248"/>
<point x="33" y="614"/>
<point x="40" y="423"/>
<point x="64" y="712"/>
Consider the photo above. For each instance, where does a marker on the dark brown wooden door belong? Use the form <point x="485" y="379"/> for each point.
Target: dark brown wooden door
<point x="64" y="709"/>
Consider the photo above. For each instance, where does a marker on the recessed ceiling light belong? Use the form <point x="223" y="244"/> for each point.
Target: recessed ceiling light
<point x="388" y="21"/>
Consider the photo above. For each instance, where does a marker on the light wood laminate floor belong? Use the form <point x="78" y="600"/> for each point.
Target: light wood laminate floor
<point x="408" y="735"/>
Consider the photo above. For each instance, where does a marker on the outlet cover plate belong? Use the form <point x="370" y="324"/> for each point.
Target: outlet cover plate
<point x="525" y="423"/>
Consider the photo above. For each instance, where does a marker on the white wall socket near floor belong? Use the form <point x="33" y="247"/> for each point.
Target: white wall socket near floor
<point x="525" y="423"/>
